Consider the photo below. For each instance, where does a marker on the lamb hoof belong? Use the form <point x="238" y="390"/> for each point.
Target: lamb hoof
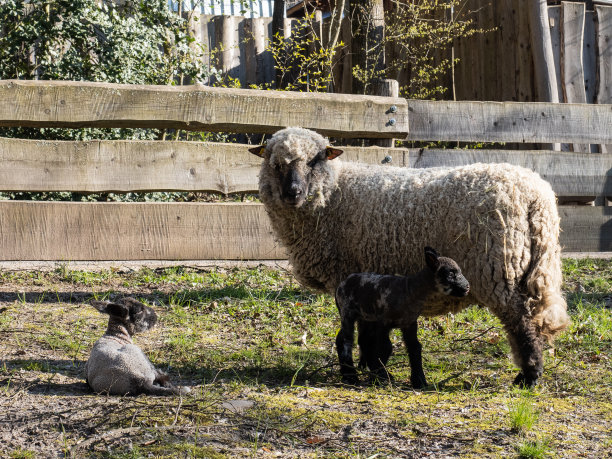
<point x="382" y="379"/>
<point x="351" y="380"/>
<point x="184" y="390"/>
<point x="523" y="382"/>
<point x="418" y="383"/>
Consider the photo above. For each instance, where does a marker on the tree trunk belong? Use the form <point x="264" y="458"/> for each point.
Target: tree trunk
<point x="368" y="26"/>
<point x="278" y="30"/>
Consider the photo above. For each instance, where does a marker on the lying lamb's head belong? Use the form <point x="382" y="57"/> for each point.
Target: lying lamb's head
<point x="295" y="160"/>
<point x="447" y="274"/>
<point x="132" y="314"/>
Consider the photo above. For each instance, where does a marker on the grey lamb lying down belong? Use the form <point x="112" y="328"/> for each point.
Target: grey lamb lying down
<point x="392" y="302"/>
<point x="116" y="365"/>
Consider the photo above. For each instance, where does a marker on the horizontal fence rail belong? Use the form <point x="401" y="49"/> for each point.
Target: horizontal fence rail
<point x="196" y="108"/>
<point x="192" y="231"/>
<point x="80" y="104"/>
<point x="126" y="166"/>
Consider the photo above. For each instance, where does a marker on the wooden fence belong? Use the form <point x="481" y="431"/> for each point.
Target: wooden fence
<point x="190" y="231"/>
<point x="497" y="65"/>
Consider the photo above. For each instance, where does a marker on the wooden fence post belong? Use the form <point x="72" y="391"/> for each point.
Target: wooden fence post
<point x="387" y="88"/>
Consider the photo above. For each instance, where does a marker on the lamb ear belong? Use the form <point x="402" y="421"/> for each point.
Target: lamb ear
<point x="112" y="309"/>
<point x="333" y="153"/>
<point x="431" y="258"/>
<point x="258" y="151"/>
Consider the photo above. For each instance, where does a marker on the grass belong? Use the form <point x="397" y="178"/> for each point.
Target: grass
<point x="256" y="335"/>
<point x="534" y="449"/>
<point x="523" y="414"/>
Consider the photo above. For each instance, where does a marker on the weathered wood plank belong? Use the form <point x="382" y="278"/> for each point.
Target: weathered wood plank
<point x="570" y="174"/>
<point x="554" y="19"/>
<point x="125" y="166"/>
<point x="135" y="231"/>
<point x="586" y="228"/>
<point x="508" y="41"/>
<point x="78" y="104"/>
<point x="572" y="44"/>
<point x="81" y="104"/>
<point x="509" y="122"/>
<point x="589" y="58"/>
<point x="603" y="26"/>
<point x="172" y="231"/>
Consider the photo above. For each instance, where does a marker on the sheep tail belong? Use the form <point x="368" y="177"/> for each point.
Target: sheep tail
<point x="543" y="279"/>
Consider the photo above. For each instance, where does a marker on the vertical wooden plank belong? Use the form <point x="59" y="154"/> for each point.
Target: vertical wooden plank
<point x="489" y="53"/>
<point x="226" y="40"/>
<point x="386" y="88"/>
<point x="240" y="54"/>
<point x="524" y="64"/>
<point x="525" y="82"/>
<point x="207" y="41"/>
<point x="266" y="70"/>
<point x="554" y="19"/>
<point x="476" y="59"/>
<point x="347" y="62"/>
<point x="572" y="73"/>
<point x="249" y="57"/>
<point x="509" y="50"/>
<point x="588" y="57"/>
<point x="603" y="27"/>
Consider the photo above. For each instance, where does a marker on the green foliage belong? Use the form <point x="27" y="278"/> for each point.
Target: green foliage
<point x="418" y="33"/>
<point x="87" y="40"/>
<point x="304" y="63"/>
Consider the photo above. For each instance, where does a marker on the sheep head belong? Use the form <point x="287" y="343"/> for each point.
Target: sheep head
<point x="128" y="312"/>
<point x="295" y="165"/>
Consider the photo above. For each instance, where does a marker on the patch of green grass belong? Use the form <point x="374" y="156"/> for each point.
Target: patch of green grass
<point x="523" y="414"/>
<point x="22" y="454"/>
<point x="534" y="449"/>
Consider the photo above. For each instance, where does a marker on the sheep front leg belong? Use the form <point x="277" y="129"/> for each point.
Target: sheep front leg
<point x="413" y="347"/>
<point x="344" y="347"/>
<point x="526" y="344"/>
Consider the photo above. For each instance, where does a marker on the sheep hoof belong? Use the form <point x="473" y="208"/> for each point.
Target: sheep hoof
<point x="523" y="382"/>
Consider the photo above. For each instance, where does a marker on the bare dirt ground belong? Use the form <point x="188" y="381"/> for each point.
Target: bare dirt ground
<point x="264" y="379"/>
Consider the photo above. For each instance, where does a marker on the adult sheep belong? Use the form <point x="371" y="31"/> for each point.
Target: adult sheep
<point x="498" y="221"/>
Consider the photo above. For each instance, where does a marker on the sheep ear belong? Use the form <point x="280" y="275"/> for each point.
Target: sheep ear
<point x="333" y="153"/>
<point x="432" y="258"/>
<point x="100" y="305"/>
<point x="112" y="309"/>
<point x="258" y="151"/>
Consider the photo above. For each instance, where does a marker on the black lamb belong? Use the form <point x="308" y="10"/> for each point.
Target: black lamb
<point x="380" y="303"/>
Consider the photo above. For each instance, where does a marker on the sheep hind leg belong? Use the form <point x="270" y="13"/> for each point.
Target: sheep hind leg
<point x="414" y="348"/>
<point x="526" y="344"/>
<point x="344" y="347"/>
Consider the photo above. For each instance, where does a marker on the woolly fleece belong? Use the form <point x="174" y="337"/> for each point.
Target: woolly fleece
<point x="498" y="221"/>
